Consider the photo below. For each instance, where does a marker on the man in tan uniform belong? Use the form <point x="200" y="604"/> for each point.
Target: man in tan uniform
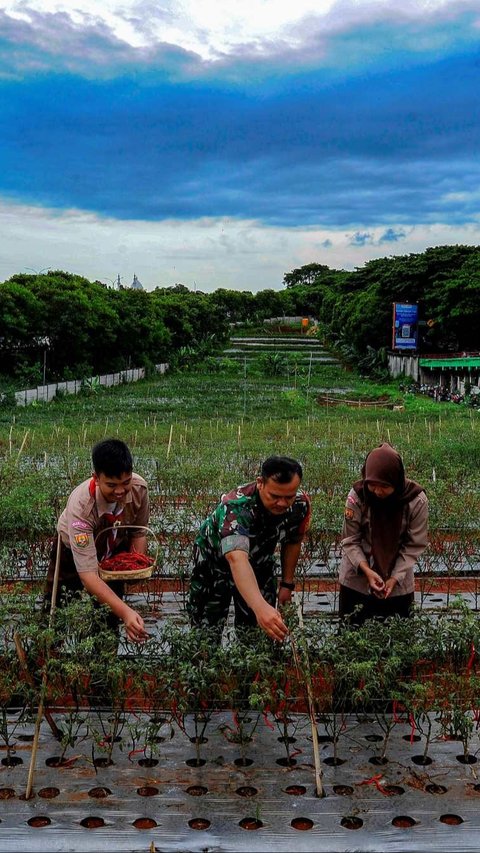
<point x="113" y="497"/>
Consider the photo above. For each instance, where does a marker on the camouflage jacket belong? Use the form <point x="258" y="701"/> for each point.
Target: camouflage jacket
<point x="240" y="522"/>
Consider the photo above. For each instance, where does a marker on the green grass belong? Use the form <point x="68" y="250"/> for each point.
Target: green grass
<point x="198" y="434"/>
<point x="193" y="436"/>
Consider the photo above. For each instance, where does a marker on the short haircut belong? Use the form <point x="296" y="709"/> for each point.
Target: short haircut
<point x="282" y="469"/>
<point x="112" y="457"/>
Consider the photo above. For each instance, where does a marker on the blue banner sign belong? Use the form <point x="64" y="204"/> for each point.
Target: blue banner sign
<point x="405" y="326"/>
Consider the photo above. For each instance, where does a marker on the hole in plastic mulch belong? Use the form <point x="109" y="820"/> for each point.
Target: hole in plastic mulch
<point x="39" y="821"/>
<point x="48" y="793"/>
<point x="302" y="823"/>
<point x="144" y="823"/>
<point x="296" y="790"/>
<point x="6" y="793"/>
<point x="423" y="760"/>
<point x="343" y="790"/>
<point x="451" y="819"/>
<point x="92" y="822"/>
<point x="403" y="821"/>
<point x="393" y="790"/>
<point x="250" y="823"/>
<point x="246" y="791"/>
<point x="198" y="823"/>
<point x="352" y="822"/>
<point x="147" y="791"/>
<point x="197" y="790"/>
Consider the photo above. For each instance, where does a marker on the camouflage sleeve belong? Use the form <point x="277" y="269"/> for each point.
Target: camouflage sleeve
<point x="235" y="528"/>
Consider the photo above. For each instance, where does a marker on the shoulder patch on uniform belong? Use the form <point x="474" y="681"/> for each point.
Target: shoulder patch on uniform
<point x="352" y="499"/>
<point x="81" y="525"/>
<point x="82" y="540"/>
<point x="348" y="512"/>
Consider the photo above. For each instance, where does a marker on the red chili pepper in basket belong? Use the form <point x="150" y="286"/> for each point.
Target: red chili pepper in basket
<point x="126" y="561"/>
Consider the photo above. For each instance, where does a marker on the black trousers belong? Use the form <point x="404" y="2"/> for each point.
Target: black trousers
<point x="69" y="583"/>
<point x="372" y="607"/>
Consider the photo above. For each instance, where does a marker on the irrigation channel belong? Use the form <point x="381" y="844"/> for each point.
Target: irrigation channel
<point x="210" y="792"/>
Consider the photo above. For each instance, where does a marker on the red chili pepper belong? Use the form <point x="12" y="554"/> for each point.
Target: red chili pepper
<point x="126" y="561"/>
<point x="375" y="780"/>
<point x="411" y="720"/>
<point x="471" y="658"/>
<point x="265" y="713"/>
<point x="397" y="706"/>
<point x="135" y="752"/>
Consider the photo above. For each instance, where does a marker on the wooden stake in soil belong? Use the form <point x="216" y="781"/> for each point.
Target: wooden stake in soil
<point x="311" y="706"/>
<point x="22" y="444"/>
<point x="23" y="663"/>
<point x="43" y="686"/>
<point x="169" y="441"/>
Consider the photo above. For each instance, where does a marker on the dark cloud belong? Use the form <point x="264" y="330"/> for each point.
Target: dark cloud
<point x="52" y="44"/>
<point x="301" y="148"/>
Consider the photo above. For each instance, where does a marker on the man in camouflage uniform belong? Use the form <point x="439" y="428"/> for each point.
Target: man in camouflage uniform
<point x="234" y="552"/>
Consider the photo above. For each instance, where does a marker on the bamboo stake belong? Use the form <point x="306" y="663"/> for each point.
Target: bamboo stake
<point x="23" y="663"/>
<point x="22" y="444"/>
<point x="311" y="709"/>
<point x="43" y="686"/>
<point x="170" y="440"/>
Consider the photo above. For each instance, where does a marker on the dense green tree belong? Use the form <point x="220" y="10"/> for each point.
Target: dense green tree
<point x="272" y="303"/>
<point x="142" y="334"/>
<point x="307" y="274"/>
<point x="89" y="328"/>
<point x="75" y="319"/>
<point x="21" y="327"/>
<point x="453" y="308"/>
<point x="356" y="309"/>
<point x="237" y="306"/>
<point x="191" y="319"/>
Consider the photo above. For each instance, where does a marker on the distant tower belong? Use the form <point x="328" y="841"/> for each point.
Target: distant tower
<point x="136" y="284"/>
<point x="118" y="282"/>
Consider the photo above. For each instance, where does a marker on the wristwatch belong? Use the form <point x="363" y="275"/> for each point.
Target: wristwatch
<point x="287" y="585"/>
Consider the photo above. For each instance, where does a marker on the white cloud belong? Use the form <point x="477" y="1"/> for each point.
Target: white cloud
<point x="204" y="254"/>
<point x="209" y="28"/>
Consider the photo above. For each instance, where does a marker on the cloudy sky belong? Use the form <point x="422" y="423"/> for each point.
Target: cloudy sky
<point x="222" y="144"/>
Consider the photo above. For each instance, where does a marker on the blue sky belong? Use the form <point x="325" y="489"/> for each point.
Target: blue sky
<point x="222" y="145"/>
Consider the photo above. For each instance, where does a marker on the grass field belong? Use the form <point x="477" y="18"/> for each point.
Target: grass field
<point x="194" y="434"/>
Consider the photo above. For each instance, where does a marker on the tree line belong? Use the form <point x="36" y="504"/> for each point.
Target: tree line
<point x="80" y="328"/>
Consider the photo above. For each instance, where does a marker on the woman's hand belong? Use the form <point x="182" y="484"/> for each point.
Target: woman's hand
<point x="376" y="583"/>
<point x="390" y="586"/>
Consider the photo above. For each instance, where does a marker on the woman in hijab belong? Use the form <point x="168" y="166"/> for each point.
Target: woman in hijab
<point x="384" y="533"/>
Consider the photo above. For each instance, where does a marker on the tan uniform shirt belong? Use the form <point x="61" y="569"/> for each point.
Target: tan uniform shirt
<point x="356" y="543"/>
<point x="84" y="518"/>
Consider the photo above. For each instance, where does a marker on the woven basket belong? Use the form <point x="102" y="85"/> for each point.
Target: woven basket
<point x="129" y="574"/>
